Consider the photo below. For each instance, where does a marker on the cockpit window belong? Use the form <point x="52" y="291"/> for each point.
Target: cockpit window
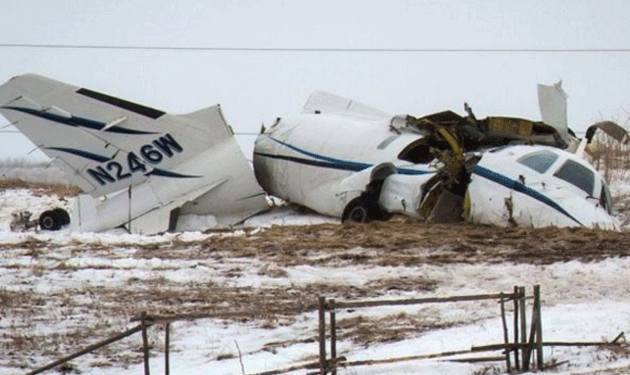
<point x="539" y="161"/>
<point x="578" y="175"/>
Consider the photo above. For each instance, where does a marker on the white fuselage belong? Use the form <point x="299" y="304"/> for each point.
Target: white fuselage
<point x="538" y="186"/>
<point x="324" y="161"/>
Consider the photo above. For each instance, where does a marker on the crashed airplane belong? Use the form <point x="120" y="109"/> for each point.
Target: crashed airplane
<point x="143" y="169"/>
<point x="344" y="159"/>
<point x="140" y="168"/>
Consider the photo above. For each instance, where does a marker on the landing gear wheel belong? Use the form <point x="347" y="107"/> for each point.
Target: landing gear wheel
<point x="53" y="219"/>
<point x="358" y="214"/>
<point x="49" y="220"/>
<point x="63" y="216"/>
<point x="361" y="210"/>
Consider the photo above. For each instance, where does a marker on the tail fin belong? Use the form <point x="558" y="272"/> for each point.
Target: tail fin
<point x="111" y="147"/>
<point x="552" y="101"/>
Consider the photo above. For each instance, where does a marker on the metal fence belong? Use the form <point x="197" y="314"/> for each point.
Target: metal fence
<point x="523" y="351"/>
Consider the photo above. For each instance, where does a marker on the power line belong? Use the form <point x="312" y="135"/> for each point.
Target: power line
<point x="291" y="49"/>
<point x="17" y="131"/>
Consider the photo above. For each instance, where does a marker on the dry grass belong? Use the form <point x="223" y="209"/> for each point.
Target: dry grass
<point x="40" y="189"/>
<point x="97" y="310"/>
<point x="367" y="331"/>
<point x="403" y="242"/>
<point x="110" y="307"/>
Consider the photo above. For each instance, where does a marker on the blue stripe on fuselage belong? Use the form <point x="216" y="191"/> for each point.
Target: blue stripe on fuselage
<point x="328" y="162"/>
<point x="521" y="188"/>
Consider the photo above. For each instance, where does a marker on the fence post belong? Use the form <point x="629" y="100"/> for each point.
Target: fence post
<point x="531" y="344"/>
<point x="523" y="314"/>
<point x="333" y="337"/>
<point x="517" y="363"/>
<point x="539" y="338"/>
<point x="167" y="340"/>
<point x="322" y="335"/>
<point x="506" y="337"/>
<point x="145" y="342"/>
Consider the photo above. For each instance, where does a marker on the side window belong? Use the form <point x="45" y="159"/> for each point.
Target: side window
<point x="578" y="175"/>
<point x="539" y="161"/>
<point x="605" y="199"/>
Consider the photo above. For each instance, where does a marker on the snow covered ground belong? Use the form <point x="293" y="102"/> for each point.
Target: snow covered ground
<point x="63" y="291"/>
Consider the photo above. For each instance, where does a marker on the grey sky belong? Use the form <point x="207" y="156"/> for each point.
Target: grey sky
<point x="257" y="86"/>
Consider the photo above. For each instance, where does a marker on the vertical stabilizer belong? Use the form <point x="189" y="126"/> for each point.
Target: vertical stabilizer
<point x="552" y="101"/>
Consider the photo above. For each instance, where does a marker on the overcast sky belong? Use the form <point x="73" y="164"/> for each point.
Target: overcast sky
<point x="442" y="72"/>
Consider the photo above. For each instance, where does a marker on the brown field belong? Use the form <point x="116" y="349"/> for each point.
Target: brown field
<point x="93" y="310"/>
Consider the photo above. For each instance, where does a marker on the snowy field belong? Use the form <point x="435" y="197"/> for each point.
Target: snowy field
<point x="63" y="291"/>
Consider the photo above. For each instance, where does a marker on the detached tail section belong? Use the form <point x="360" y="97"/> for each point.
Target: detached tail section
<point x="146" y="162"/>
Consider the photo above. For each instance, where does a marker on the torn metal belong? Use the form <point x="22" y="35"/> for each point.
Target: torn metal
<point x="345" y="159"/>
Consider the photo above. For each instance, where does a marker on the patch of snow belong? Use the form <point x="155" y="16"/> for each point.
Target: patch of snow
<point x="581" y="301"/>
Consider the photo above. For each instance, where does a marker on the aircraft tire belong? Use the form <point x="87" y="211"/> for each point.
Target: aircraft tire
<point x="63" y="215"/>
<point x="50" y="220"/>
<point x="360" y="210"/>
